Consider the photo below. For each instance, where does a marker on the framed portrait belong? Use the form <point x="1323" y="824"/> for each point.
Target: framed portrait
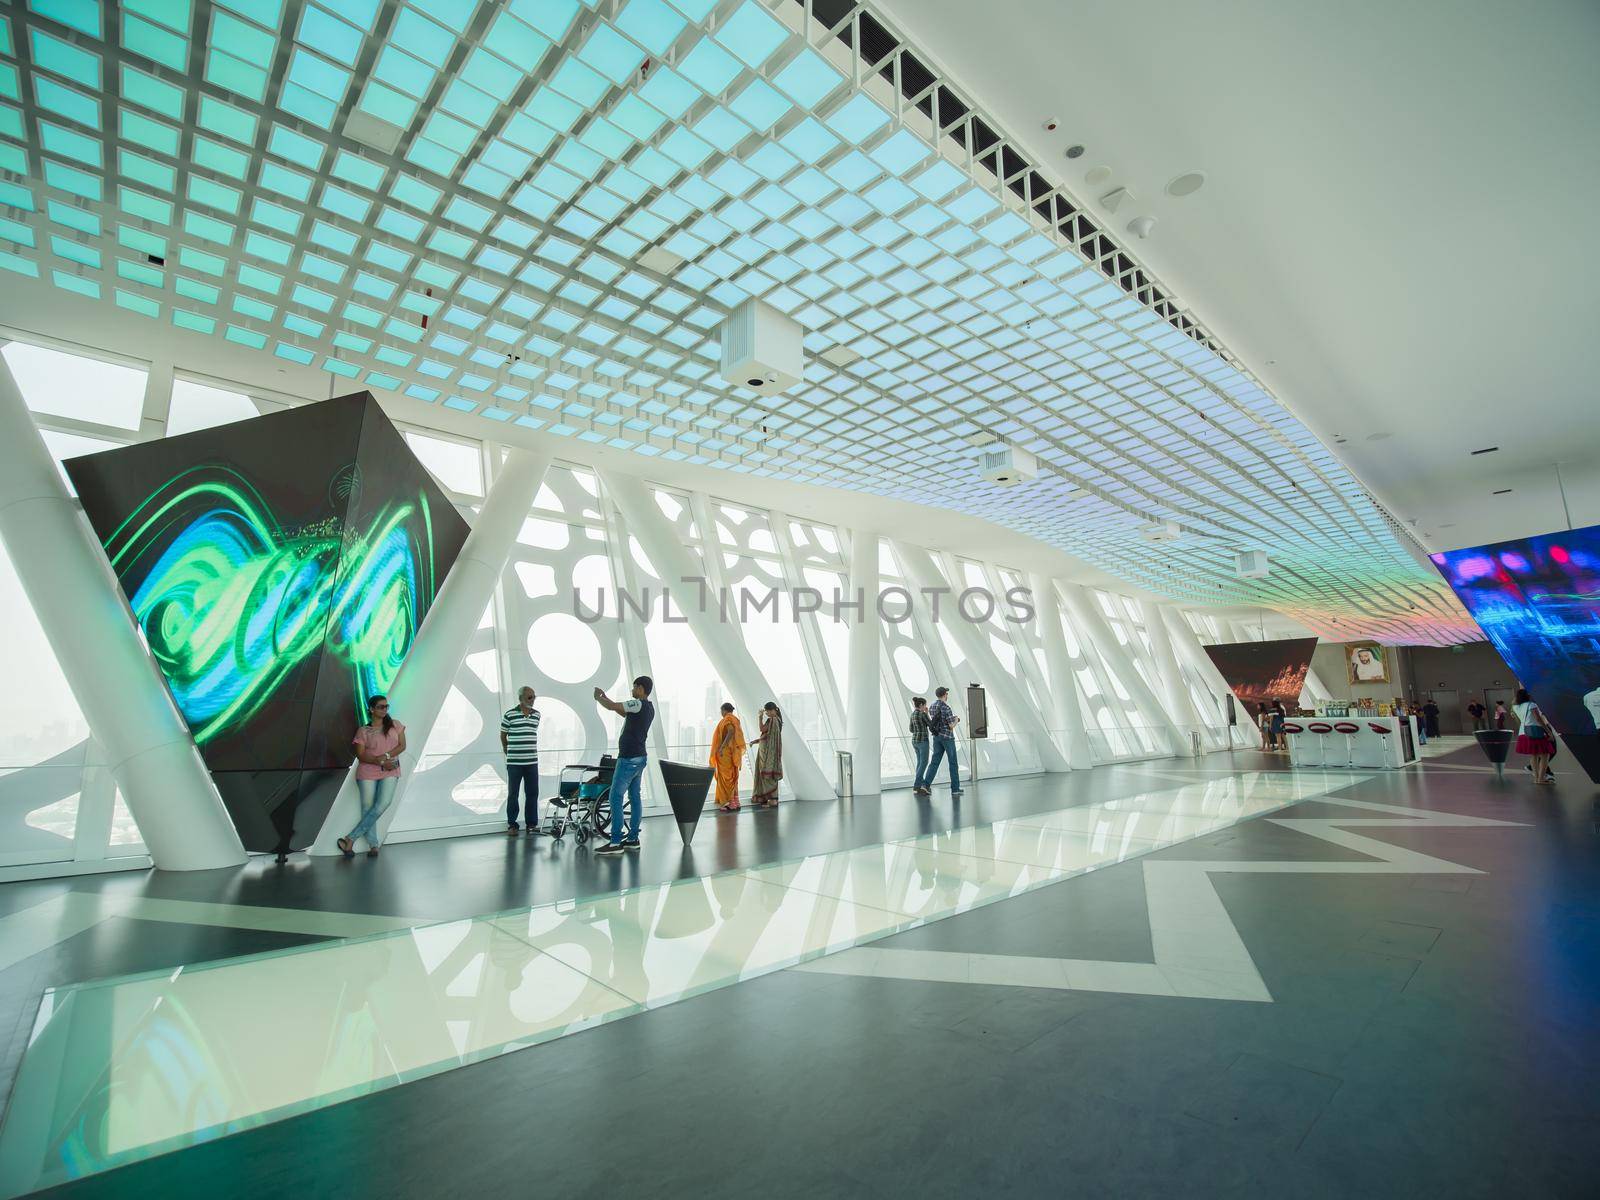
<point x="1367" y="662"/>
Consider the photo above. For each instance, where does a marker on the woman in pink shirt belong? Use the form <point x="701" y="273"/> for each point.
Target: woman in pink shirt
<point x="379" y="744"/>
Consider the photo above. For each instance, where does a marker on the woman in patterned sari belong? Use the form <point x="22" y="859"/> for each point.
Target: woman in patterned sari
<point x="769" y="759"/>
<point x="727" y="754"/>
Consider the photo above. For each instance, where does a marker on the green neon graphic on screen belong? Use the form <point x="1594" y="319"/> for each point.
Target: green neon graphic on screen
<point x="231" y="601"/>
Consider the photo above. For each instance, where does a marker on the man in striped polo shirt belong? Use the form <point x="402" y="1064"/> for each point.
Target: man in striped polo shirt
<point x="519" y="738"/>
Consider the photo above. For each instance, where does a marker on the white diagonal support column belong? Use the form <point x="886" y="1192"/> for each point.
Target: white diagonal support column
<point x="1165" y="656"/>
<point x="66" y="578"/>
<point x="423" y="684"/>
<point x="1187" y="644"/>
<point x="1085" y="614"/>
<point x="864" y="711"/>
<point x="1066" y="712"/>
<point x="973" y="641"/>
<point x="723" y="642"/>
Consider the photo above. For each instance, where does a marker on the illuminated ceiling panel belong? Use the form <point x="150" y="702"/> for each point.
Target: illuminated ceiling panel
<point x="539" y="211"/>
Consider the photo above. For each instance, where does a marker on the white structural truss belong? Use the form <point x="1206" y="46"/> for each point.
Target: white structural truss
<point x="539" y="212"/>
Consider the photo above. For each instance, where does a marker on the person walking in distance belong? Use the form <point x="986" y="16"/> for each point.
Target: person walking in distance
<point x="1478" y="713"/>
<point x="636" y="712"/>
<point x="920" y="726"/>
<point x="519" y="741"/>
<point x="942" y="722"/>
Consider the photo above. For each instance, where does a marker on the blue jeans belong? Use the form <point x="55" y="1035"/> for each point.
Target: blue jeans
<point x="375" y="796"/>
<point x="525" y="775"/>
<point x="941" y="747"/>
<point x="625" y="780"/>
<point x="922" y="749"/>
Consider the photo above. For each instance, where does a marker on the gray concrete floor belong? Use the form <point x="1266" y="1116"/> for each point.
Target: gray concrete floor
<point x="1429" y="1035"/>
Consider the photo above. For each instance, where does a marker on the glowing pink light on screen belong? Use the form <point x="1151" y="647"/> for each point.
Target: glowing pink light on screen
<point x="1515" y="561"/>
<point x="1476" y="567"/>
<point x="1559" y="554"/>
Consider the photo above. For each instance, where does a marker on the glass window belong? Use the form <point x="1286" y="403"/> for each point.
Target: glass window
<point x="71" y="385"/>
<point x="199" y="406"/>
<point x="458" y="466"/>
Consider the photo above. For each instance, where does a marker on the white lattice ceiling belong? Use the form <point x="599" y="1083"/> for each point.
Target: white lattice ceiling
<point x="540" y="211"/>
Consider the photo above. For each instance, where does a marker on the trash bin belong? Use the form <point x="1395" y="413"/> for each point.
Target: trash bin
<point x="846" y="786"/>
<point x="686" y="791"/>
<point x="1496" y="744"/>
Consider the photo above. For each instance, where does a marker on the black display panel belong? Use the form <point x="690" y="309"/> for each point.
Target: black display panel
<point x="279" y="569"/>
<point x="1264" y="671"/>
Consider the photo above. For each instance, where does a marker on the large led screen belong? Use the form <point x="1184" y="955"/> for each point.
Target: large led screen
<point x="1538" y="600"/>
<point x="1264" y="671"/>
<point x="279" y="569"/>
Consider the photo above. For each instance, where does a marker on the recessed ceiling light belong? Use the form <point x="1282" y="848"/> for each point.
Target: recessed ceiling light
<point x="1140" y="227"/>
<point x="1186" y="184"/>
<point x="1095" y="176"/>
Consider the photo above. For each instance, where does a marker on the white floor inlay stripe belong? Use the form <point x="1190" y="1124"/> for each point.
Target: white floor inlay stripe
<point x="123" y="1069"/>
<point x="46" y="924"/>
<point x="1197" y="949"/>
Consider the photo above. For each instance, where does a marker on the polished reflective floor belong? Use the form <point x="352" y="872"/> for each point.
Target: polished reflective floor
<point x="123" y="1069"/>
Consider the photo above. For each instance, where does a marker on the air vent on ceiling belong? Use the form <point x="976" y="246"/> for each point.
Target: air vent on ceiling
<point x="373" y="131"/>
<point x="1485" y="450"/>
<point x="660" y="260"/>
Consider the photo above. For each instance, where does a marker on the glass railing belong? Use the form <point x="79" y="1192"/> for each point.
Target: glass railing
<point x="41" y="804"/>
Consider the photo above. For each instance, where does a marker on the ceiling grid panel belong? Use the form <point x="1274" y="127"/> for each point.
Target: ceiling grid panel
<point x="539" y="211"/>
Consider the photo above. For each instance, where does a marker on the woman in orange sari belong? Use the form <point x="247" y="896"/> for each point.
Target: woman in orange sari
<point x="727" y="755"/>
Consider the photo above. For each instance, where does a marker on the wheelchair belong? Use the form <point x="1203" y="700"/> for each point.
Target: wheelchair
<point x="583" y="802"/>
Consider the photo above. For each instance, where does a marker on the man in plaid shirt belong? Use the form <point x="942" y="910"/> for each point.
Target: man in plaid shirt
<point x="942" y="722"/>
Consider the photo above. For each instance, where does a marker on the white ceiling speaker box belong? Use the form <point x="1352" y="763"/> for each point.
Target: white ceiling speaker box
<point x="1163" y="531"/>
<point x="762" y="349"/>
<point x="1253" y="564"/>
<point x="1008" y="466"/>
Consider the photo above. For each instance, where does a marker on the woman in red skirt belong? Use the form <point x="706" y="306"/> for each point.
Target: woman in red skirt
<point x="1536" y="739"/>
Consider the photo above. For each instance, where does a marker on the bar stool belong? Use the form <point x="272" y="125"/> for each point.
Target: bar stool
<point x="1383" y="732"/>
<point x="1291" y="727"/>
<point x="1322" y="729"/>
<point x="1349" y="729"/>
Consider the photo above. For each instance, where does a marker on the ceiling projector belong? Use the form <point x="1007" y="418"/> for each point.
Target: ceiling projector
<point x="1252" y="564"/>
<point x="1008" y="466"/>
<point x="1162" y="531"/>
<point x="761" y="349"/>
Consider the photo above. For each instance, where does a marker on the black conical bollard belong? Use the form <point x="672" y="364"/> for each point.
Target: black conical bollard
<point x="1496" y="744"/>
